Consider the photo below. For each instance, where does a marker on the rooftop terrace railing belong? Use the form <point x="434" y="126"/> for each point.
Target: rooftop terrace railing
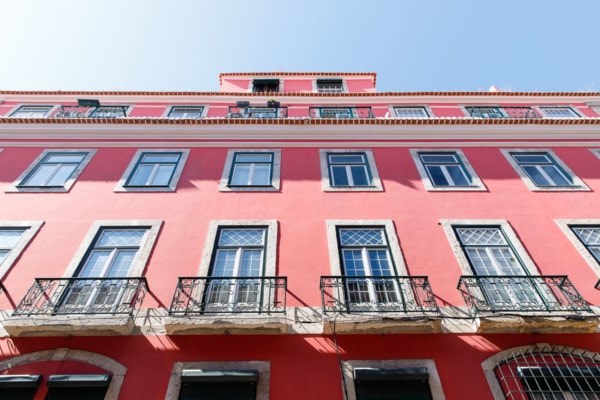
<point x="342" y="112"/>
<point x="257" y="112"/>
<point x="502" y="112"/>
<point x="90" y="112"/>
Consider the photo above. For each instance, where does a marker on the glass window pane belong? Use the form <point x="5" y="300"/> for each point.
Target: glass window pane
<point x="362" y="237"/>
<point x="121" y="263"/>
<point x="160" y="158"/>
<point x="41" y="175"/>
<point x="439" y="158"/>
<point x="347" y="158"/>
<point x="9" y="238"/>
<point x="242" y="237"/>
<point x="353" y="263"/>
<point x="62" y="175"/>
<point x="121" y="238"/>
<point x="224" y="263"/>
<point x="340" y="177"/>
<point x="437" y="176"/>
<point x="64" y="158"/>
<point x="556" y="176"/>
<point x="536" y="176"/>
<point x="3" y="254"/>
<point x="359" y="176"/>
<point x="258" y="157"/>
<point x="141" y="175"/>
<point x="262" y="175"/>
<point x="251" y="263"/>
<point x="379" y="262"/>
<point x="532" y="158"/>
<point x="457" y="175"/>
<point x="163" y="175"/>
<point x="241" y="175"/>
<point x="95" y="264"/>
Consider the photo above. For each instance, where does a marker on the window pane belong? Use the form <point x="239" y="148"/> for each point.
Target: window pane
<point x="224" y="263"/>
<point x="353" y="263"/>
<point x="121" y="263"/>
<point x="481" y="236"/>
<point x="439" y="158"/>
<point x="141" y="175"/>
<point x="3" y="254"/>
<point x="242" y="237"/>
<point x="262" y="175"/>
<point x="437" y="175"/>
<point x="536" y="175"/>
<point x="532" y="158"/>
<point x="251" y="263"/>
<point x="95" y="264"/>
<point x="340" y="177"/>
<point x="160" y="158"/>
<point x="347" y="159"/>
<point x="457" y="175"/>
<point x="121" y="238"/>
<point x="9" y="238"/>
<point x="262" y="158"/>
<point x="41" y="175"/>
<point x="62" y="175"/>
<point x="65" y="158"/>
<point x="362" y="237"/>
<point x="241" y="175"/>
<point x="359" y="176"/>
<point x="380" y="263"/>
<point x="554" y="174"/>
<point x="163" y="175"/>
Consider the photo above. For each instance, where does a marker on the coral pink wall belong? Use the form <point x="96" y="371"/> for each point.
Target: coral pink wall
<point x="298" y="86"/>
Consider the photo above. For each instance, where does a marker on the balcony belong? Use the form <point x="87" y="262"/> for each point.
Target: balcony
<point x="408" y="303"/>
<point x="228" y="305"/>
<point x="257" y="112"/>
<point x="340" y="112"/>
<point x="503" y="112"/>
<point x="92" y="306"/>
<point x="539" y="303"/>
<point x="90" y="112"/>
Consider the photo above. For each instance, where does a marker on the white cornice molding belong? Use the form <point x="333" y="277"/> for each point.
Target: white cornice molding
<point x="274" y="132"/>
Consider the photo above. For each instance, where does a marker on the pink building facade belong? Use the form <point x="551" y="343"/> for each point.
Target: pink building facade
<point x="299" y="236"/>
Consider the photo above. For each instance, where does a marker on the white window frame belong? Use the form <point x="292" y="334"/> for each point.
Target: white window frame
<point x="426" y="111"/>
<point x="121" y="185"/>
<point x="565" y="226"/>
<point x="376" y="185"/>
<point x="275" y="173"/>
<point x="348" y="366"/>
<point x="30" y="229"/>
<point x="15" y="110"/>
<point x="476" y="183"/>
<point x="141" y="258"/>
<point x="578" y="184"/>
<point x="15" y="186"/>
<point x="263" y="368"/>
<point x="575" y="114"/>
<point x="171" y="107"/>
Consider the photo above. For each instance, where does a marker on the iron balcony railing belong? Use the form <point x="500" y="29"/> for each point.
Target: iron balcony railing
<point x="521" y="294"/>
<point x="257" y="112"/>
<point x="502" y="112"/>
<point x="262" y="295"/>
<point x="407" y="294"/>
<point x="90" y="112"/>
<point x="340" y="112"/>
<point x="83" y="296"/>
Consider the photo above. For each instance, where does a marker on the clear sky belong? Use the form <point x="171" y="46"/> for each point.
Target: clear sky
<point x="529" y="45"/>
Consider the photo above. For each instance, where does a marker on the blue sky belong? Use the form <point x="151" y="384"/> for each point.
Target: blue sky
<point x="416" y="45"/>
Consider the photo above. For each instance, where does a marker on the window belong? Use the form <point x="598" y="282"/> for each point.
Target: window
<point x="485" y="112"/>
<point x="19" y="387"/>
<point x="330" y="86"/>
<point x="77" y="387"/>
<point x="559" y="112"/>
<point x="251" y="170"/>
<point x="411" y="112"/>
<point x="265" y="86"/>
<point x="590" y="237"/>
<point x="391" y="379"/>
<point x="446" y="169"/>
<point x="238" y="255"/>
<point x="14" y="237"/>
<point x="153" y="170"/>
<point x="31" y="111"/>
<point x="109" y="112"/>
<point x="53" y="171"/>
<point x="212" y="380"/>
<point x="193" y="112"/>
<point x="544" y="372"/>
<point x="543" y="170"/>
<point x="349" y="170"/>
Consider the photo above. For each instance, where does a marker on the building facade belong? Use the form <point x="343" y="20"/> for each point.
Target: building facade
<point x="299" y="236"/>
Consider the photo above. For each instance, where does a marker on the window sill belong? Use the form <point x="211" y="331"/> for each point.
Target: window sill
<point x="68" y="325"/>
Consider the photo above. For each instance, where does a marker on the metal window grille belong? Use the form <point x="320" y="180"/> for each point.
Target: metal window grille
<point x="550" y="373"/>
<point x="559" y="112"/>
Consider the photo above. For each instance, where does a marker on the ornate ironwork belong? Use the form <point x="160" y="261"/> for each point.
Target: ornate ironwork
<point x="203" y="295"/>
<point x="404" y="294"/>
<point x="90" y="112"/>
<point x="521" y="294"/>
<point x="340" y="112"/>
<point x="257" y="112"/>
<point x="502" y="112"/>
<point x="83" y="296"/>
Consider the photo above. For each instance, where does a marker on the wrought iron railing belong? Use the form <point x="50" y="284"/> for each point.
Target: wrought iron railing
<point x="257" y="112"/>
<point x="407" y="294"/>
<point x="342" y="112"/>
<point x="521" y="294"/>
<point x="263" y="295"/>
<point x="90" y="112"/>
<point x="83" y="296"/>
<point x="502" y="112"/>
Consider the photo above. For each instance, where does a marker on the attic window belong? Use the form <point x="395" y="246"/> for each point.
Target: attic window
<point x="265" y="86"/>
<point x="330" y="86"/>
